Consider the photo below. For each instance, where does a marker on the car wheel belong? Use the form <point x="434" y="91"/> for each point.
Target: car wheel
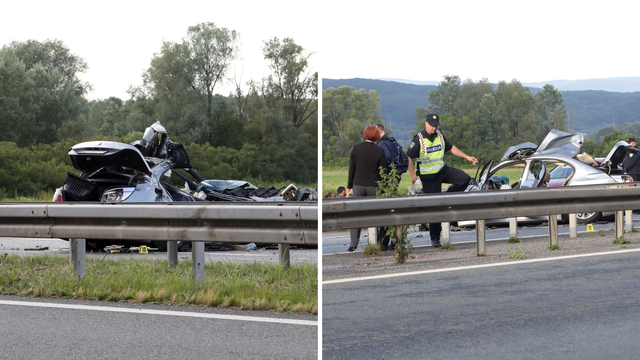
<point x="590" y="217"/>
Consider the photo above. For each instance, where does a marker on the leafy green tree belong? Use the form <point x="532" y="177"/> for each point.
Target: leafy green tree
<point x="515" y="112"/>
<point x="470" y="97"/>
<point x="291" y="88"/>
<point x="40" y="90"/>
<point x="345" y="114"/>
<point x="443" y="98"/>
<point x="550" y="108"/>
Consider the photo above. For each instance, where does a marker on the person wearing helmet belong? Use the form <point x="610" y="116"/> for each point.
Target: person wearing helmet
<point x="427" y="149"/>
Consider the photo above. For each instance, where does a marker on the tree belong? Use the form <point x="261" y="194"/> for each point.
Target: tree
<point x="181" y="81"/>
<point x="515" y="112"/>
<point x="291" y="88"/>
<point x="39" y="91"/>
<point x="550" y="108"/>
<point x="444" y="97"/>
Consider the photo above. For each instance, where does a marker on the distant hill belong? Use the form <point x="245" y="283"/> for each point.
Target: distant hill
<point x="618" y="84"/>
<point x="588" y="110"/>
<point x="398" y="101"/>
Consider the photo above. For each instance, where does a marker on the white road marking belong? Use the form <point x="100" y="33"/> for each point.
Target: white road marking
<point x="160" y="312"/>
<point x="329" y="282"/>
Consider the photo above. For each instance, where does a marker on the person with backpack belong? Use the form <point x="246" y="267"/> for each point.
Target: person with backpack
<point x="395" y="155"/>
<point x="428" y="148"/>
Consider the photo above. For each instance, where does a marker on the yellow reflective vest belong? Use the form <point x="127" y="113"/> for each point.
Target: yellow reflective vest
<point x="431" y="159"/>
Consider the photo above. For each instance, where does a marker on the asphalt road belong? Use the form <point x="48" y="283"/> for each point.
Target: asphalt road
<point x="164" y="332"/>
<point x="578" y="308"/>
<point x="29" y="246"/>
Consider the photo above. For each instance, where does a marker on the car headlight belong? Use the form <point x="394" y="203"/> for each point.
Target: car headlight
<point x="116" y="195"/>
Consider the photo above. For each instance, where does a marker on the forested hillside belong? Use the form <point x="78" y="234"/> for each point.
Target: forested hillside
<point x="480" y="118"/>
<point x="264" y="133"/>
<point x="587" y="111"/>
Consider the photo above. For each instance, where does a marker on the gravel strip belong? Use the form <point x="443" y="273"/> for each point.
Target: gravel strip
<point x="350" y="265"/>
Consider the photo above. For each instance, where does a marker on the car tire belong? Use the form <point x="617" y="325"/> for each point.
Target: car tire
<point x="590" y="217"/>
<point x="583" y="218"/>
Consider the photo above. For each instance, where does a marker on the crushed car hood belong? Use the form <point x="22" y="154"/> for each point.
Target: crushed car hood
<point x="97" y="154"/>
<point x="556" y="142"/>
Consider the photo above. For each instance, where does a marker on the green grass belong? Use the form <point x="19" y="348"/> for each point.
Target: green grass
<point x="248" y="286"/>
<point x="554" y="247"/>
<point x="332" y="179"/>
<point x="513" y="239"/>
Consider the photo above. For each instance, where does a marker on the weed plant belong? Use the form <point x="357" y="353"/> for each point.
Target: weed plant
<point x="619" y="240"/>
<point x="247" y="286"/>
<point x="553" y="247"/>
<point x="447" y="246"/>
<point x="517" y="254"/>
<point x="371" y="250"/>
<point x="513" y="240"/>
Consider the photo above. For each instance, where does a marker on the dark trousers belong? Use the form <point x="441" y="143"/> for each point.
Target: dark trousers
<point x="360" y="191"/>
<point x="459" y="181"/>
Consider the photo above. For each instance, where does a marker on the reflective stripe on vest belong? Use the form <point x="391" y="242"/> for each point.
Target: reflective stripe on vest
<point x="431" y="158"/>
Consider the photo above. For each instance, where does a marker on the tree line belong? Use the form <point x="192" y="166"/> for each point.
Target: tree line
<point x="266" y="131"/>
<point x="481" y="119"/>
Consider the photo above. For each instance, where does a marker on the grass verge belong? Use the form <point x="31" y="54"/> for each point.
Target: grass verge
<point x="247" y="286"/>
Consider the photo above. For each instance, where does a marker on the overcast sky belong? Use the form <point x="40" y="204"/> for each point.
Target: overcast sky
<point x="118" y="38"/>
<point x="529" y="41"/>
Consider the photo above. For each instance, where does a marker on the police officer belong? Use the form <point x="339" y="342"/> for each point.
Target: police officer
<point x="428" y="148"/>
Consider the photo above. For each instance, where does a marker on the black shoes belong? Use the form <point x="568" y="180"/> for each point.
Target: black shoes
<point x="436" y="243"/>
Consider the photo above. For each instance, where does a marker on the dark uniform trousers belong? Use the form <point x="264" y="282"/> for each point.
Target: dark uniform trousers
<point x="430" y="184"/>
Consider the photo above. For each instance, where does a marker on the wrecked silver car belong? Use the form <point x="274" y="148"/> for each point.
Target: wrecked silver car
<point x="529" y="165"/>
<point x="115" y="172"/>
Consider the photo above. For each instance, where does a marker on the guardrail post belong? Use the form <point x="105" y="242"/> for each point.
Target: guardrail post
<point x="197" y="255"/>
<point x="628" y="221"/>
<point x="553" y="230"/>
<point x="619" y="227"/>
<point x="172" y="253"/>
<point x="284" y="255"/>
<point x="446" y="232"/>
<point x="513" y="227"/>
<point x="78" y="256"/>
<point x="480" y="238"/>
<point x="573" y="226"/>
<point x="373" y="236"/>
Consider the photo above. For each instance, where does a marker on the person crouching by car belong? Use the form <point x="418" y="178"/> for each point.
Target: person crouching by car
<point x="631" y="162"/>
<point x="428" y="148"/>
<point x="364" y="163"/>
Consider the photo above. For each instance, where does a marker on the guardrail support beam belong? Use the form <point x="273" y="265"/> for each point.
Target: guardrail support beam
<point x="619" y="227"/>
<point x="573" y="226"/>
<point x="628" y="221"/>
<point x="78" y="256"/>
<point x="172" y="253"/>
<point x="480" y="237"/>
<point x="553" y="230"/>
<point x="285" y="260"/>
<point x="373" y="236"/>
<point x="446" y="232"/>
<point x="513" y="227"/>
<point x="197" y="255"/>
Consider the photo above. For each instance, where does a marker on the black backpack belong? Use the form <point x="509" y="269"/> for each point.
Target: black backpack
<point x="397" y="155"/>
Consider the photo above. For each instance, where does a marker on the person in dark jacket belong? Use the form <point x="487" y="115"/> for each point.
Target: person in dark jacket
<point x="364" y="164"/>
<point x="631" y="162"/>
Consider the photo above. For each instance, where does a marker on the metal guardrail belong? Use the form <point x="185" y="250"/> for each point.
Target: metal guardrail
<point x="281" y="223"/>
<point x="340" y="214"/>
